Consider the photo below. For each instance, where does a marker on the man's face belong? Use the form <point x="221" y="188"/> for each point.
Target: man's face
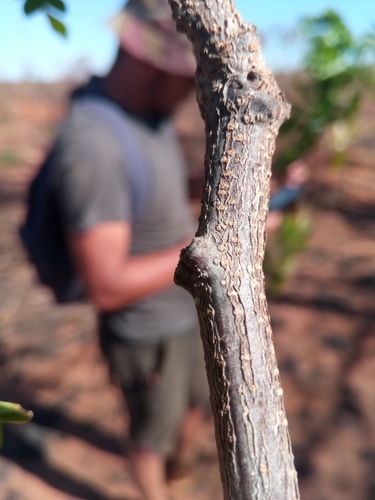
<point x="168" y="91"/>
<point x="160" y="92"/>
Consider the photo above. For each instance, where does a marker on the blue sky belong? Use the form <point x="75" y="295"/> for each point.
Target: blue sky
<point x="30" y="50"/>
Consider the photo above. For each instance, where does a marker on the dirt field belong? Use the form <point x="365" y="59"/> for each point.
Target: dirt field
<point x="324" y="330"/>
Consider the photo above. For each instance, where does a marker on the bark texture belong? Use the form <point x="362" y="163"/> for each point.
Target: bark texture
<point x="243" y="109"/>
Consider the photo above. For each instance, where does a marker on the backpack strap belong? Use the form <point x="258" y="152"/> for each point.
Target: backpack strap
<point x="136" y="162"/>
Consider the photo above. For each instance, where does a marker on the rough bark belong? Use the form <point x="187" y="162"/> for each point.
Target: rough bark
<point x="222" y="268"/>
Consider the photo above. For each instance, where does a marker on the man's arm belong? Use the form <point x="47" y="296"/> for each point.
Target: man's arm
<point x="112" y="278"/>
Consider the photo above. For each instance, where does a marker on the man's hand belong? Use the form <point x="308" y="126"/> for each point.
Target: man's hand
<point x="113" y="279"/>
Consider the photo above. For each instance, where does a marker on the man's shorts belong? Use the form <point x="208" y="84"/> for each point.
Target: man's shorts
<point x="160" y="381"/>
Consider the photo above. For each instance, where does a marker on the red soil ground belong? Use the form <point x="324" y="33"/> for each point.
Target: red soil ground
<point x="323" y="321"/>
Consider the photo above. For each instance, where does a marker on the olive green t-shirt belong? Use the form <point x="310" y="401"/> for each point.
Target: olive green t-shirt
<point x="91" y="185"/>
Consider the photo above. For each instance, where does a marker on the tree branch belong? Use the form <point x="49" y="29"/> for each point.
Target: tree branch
<point x="243" y="109"/>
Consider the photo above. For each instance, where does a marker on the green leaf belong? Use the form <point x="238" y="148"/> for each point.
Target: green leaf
<point x="57" y="25"/>
<point x="31" y="6"/>
<point x="14" y="413"/>
<point x="57" y="4"/>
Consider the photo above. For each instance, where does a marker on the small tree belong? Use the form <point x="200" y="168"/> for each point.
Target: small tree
<point x="222" y="268"/>
<point x="337" y="70"/>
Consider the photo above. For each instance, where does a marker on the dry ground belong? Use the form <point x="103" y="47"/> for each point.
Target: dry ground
<point x="324" y="330"/>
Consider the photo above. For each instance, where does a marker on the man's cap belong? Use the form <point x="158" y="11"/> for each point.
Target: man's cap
<point x="146" y="29"/>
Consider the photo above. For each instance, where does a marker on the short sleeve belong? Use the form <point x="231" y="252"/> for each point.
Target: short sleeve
<point x="89" y="176"/>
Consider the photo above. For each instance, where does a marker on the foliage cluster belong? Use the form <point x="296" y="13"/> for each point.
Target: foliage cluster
<point x="52" y="9"/>
<point x="336" y="71"/>
<point x="282" y="247"/>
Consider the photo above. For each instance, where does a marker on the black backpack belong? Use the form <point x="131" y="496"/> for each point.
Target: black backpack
<point x="43" y="234"/>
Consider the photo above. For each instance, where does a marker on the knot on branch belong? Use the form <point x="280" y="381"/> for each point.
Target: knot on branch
<point x="228" y="54"/>
<point x="191" y="270"/>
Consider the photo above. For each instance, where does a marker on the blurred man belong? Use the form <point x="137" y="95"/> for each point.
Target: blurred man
<point x="148" y="326"/>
